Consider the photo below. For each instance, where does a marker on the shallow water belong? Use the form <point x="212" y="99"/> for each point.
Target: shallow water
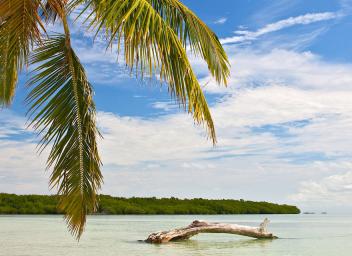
<point x="300" y="235"/>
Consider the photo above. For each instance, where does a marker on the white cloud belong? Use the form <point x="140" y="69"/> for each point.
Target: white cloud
<point x="245" y="35"/>
<point x="130" y="141"/>
<point x="332" y="190"/>
<point x="304" y="70"/>
<point x="174" y="138"/>
<point x="221" y="20"/>
<point x="21" y="169"/>
<point x="165" y="105"/>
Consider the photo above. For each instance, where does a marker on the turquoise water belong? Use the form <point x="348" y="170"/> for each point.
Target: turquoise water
<point x="300" y="235"/>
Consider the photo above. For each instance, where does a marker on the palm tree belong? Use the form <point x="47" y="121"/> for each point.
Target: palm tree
<point x="154" y="36"/>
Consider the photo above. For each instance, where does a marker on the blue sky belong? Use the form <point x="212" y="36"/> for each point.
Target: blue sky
<point x="283" y="124"/>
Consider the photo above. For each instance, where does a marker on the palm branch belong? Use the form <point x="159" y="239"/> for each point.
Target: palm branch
<point x="63" y="112"/>
<point x="20" y="27"/>
<point x="154" y="35"/>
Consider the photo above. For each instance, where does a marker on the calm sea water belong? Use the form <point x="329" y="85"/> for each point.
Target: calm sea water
<point x="300" y="235"/>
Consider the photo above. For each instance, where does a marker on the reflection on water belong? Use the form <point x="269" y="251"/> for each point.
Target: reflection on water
<point x="204" y="245"/>
<point x="201" y="247"/>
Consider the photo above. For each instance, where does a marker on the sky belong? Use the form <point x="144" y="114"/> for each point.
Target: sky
<point x="284" y="123"/>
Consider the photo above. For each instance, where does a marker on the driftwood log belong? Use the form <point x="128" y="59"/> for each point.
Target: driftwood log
<point x="199" y="226"/>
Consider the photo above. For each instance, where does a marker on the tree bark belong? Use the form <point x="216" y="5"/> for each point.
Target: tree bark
<point x="199" y="226"/>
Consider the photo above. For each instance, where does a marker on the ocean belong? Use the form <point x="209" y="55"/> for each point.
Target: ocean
<point x="299" y="235"/>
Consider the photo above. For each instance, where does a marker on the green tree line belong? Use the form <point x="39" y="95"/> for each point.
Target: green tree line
<point x="47" y="204"/>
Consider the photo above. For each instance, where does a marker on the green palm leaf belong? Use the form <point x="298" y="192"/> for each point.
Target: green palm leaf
<point x="61" y="102"/>
<point x="8" y="72"/>
<point x="193" y="31"/>
<point x="189" y="28"/>
<point x="20" y="26"/>
<point x="154" y="34"/>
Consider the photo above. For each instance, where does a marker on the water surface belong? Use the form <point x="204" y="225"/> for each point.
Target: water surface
<point x="300" y="235"/>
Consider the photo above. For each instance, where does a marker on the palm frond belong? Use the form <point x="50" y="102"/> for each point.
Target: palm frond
<point x="190" y="29"/>
<point x="20" y="26"/>
<point x="63" y="112"/>
<point x="8" y="72"/>
<point x="154" y="40"/>
<point x="52" y="8"/>
<point x="194" y="32"/>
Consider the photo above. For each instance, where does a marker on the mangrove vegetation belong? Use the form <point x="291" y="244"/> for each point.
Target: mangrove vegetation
<point x="47" y="204"/>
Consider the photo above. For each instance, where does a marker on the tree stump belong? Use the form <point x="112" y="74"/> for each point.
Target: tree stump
<point x="199" y="226"/>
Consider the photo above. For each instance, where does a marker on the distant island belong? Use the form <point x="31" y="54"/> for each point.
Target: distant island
<point x="46" y="204"/>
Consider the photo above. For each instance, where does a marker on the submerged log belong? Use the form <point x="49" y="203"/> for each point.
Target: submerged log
<point x="199" y="226"/>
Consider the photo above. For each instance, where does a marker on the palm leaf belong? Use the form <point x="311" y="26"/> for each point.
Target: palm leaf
<point x="8" y="72"/>
<point x="20" y="29"/>
<point x="52" y="8"/>
<point x="154" y="34"/>
<point x="190" y="29"/>
<point x="64" y="113"/>
<point x="194" y="32"/>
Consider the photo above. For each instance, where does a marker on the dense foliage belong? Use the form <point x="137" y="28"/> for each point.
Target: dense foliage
<point x="40" y="204"/>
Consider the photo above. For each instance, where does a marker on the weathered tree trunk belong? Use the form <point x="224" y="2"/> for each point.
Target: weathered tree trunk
<point x="198" y="226"/>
